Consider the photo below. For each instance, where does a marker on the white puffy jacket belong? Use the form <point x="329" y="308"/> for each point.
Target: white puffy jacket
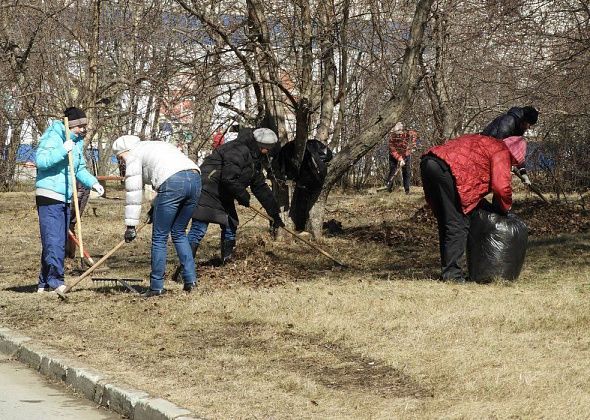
<point x="150" y="162"/>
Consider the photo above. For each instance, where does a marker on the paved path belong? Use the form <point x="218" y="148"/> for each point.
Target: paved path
<point x="24" y="394"/>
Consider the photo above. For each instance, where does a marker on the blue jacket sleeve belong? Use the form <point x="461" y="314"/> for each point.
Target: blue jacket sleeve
<point x="50" y="151"/>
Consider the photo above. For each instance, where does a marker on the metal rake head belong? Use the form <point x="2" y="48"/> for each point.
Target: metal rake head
<point x="113" y="282"/>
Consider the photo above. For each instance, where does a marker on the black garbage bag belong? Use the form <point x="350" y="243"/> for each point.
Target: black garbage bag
<point x="496" y="246"/>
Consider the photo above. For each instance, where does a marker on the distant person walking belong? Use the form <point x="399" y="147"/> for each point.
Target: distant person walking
<point x="54" y="190"/>
<point x="401" y="144"/>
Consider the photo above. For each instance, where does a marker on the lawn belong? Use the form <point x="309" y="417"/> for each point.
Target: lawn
<point x="282" y="333"/>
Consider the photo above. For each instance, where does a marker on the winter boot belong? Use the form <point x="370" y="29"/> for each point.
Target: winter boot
<point x="227" y="251"/>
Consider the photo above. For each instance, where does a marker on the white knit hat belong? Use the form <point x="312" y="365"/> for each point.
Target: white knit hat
<point x="398" y="127"/>
<point x="124" y="143"/>
<point x="265" y="137"/>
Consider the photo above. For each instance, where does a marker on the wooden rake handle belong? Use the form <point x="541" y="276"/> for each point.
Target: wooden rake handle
<point x="74" y="191"/>
<point x="96" y="265"/>
<point x="531" y="187"/>
<point x="73" y="238"/>
<point x="305" y="241"/>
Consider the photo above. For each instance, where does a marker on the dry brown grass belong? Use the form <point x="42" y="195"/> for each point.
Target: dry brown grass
<point x="281" y="334"/>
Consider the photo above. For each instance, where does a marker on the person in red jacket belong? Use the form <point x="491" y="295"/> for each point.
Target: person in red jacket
<point x="401" y="144"/>
<point x="455" y="177"/>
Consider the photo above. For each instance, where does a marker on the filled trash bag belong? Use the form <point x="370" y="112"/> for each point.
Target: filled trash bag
<point x="496" y="246"/>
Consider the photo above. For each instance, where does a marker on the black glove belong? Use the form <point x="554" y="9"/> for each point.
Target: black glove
<point x="130" y="234"/>
<point x="150" y="215"/>
<point x="244" y="200"/>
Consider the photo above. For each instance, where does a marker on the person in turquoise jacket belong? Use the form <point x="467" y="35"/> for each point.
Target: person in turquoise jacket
<point x="54" y="190"/>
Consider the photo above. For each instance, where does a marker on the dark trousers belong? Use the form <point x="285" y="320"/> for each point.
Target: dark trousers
<point x="453" y="226"/>
<point x="53" y="226"/>
<point x="406" y="171"/>
<point x="303" y="200"/>
<point x="83" y="196"/>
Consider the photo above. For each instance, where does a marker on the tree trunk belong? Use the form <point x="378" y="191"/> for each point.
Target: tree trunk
<point x="385" y="120"/>
<point x="390" y="114"/>
<point x="10" y="153"/>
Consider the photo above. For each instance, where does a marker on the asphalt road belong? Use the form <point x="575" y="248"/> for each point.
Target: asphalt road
<point x="26" y="395"/>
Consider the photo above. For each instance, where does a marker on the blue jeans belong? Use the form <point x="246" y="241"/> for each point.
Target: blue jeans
<point x="54" y="220"/>
<point x="173" y="208"/>
<point x="199" y="229"/>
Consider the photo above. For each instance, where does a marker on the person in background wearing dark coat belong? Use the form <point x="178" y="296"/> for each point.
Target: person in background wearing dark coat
<point x="515" y="122"/>
<point x="226" y="174"/>
<point x="455" y="177"/>
<point x="309" y="177"/>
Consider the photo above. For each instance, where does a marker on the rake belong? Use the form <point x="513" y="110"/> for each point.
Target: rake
<point x="114" y="282"/>
<point x="305" y="241"/>
<point x="87" y="273"/>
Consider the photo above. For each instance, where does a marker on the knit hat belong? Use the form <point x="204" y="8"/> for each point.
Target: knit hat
<point x="124" y="143"/>
<point x="517" y="147"/>
<point x="530" y="114"/>
<point x="265" y="137"/>
<point x="76" y="116"/>
<point x="398" y="127"/>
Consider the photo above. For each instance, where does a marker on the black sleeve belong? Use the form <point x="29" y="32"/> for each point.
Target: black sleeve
<point x="505" y="125"/>
<point x="230" y="175"/>
<point x="286" y="161"/>
<point x="264" y="194"/>
<point x="502" y="127"/>
<point x="329" y="155"/>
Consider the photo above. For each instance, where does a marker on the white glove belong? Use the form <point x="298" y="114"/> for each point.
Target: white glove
<point x="99" y="189"/>
<point x="68" y="145"/>
<point x="402" y="163"/>
<point x="525" y="179"/>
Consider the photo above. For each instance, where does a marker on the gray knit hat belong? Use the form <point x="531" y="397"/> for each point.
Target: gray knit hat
<point x="265" y="137"/>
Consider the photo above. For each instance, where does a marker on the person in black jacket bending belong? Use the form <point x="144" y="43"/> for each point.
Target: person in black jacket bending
<point x="309" y="177"/>
<point x="515" y="122"/>
<point x="226" y="173"/>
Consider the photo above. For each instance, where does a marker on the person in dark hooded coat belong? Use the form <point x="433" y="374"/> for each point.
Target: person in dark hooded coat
<point x="309" y="177"/>
<point x="226" y="173"/>
<point x="515" y="122"/>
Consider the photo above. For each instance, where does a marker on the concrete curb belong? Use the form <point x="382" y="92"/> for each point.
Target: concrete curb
<point x="120" y="398"/>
